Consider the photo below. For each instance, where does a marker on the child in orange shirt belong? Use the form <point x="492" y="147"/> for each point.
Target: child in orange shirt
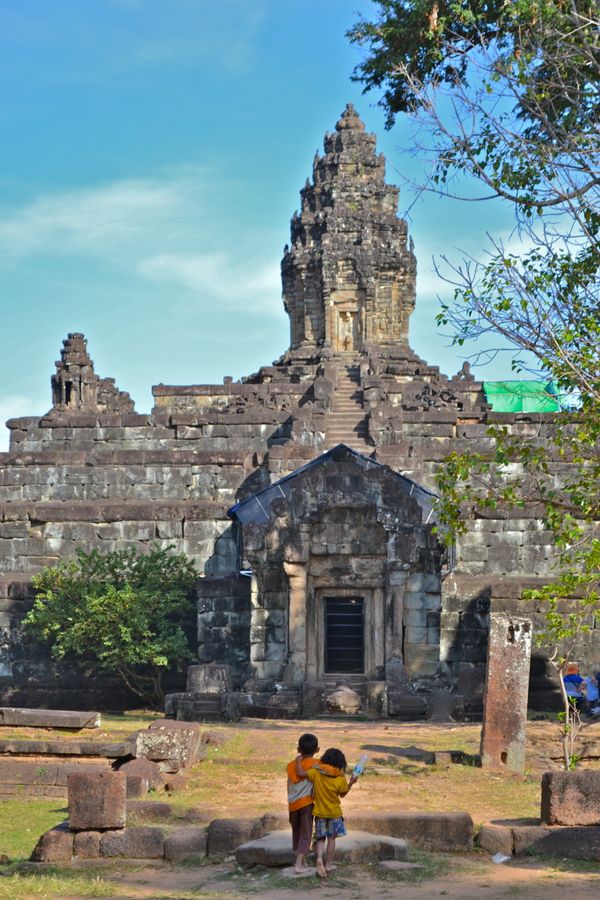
<point x="327" y="776"/>
<point x="300" y="798"/>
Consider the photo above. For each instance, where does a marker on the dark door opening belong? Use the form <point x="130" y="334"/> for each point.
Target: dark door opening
<point x="344" y="635"/>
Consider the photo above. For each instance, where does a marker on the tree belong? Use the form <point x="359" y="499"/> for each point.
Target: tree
<point x="507" y="93"/>
<point x="122" y="612"/>
<point x="506" y="103"/>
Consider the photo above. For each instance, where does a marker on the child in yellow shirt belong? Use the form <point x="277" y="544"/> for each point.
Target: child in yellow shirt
<point x="329" y="783"/>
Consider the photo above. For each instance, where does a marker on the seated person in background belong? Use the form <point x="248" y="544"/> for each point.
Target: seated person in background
<point x="590" y="688"/>
<point x="573" y="684"/>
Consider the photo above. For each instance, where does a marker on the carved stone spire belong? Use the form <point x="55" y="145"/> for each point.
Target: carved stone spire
<point x="349" y="274"/>
<point x="77" y="388"/>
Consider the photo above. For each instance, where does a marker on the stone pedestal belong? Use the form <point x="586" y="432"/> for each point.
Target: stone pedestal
<point x="571" y="798"/>
<point x="505" y="698"/>
<point x="208" y="679"/>
<point x="96" y="800"/>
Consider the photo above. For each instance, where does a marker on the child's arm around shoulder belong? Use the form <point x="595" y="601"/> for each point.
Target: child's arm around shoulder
<point x="301" y="772"/>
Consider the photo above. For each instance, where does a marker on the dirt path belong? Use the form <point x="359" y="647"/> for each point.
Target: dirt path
<point x="470" y="877"/>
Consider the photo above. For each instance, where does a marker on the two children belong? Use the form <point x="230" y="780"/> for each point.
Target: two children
<point x="315" y="787"/>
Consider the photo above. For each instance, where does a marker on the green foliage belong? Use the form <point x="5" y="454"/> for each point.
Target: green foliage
<point x="122" y="612"/>
<point x="505" y="98"/>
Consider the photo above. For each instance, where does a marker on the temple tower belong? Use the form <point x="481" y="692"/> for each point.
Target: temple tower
<point x="77" y="388"/>
<point x="349" y="275"/>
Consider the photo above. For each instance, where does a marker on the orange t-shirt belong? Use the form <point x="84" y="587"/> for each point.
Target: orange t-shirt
<point x="300" y="790"/>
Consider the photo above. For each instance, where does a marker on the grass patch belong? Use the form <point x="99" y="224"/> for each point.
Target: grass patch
<point x="23" y="821"/>
<point x="55" y="882"/>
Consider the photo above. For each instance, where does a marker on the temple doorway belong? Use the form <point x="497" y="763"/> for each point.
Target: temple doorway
<point x="344" y="635"/>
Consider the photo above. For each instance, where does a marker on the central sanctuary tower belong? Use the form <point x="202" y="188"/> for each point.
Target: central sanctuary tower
<point x="349" y="275"/>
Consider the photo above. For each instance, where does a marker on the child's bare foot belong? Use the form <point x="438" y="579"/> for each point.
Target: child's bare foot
<point x="321" y="870"/>
<point x="299" y="869"/>
<point x="331" y="867"/>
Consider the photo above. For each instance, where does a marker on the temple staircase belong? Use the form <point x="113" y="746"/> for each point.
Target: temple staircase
<point x="347" y="422"/>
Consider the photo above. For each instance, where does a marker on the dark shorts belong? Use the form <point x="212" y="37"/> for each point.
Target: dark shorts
<point x="326" y="828"/>
<point x="301" y="821"/>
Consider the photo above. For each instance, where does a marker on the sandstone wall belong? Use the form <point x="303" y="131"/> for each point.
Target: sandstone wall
<point x="125" y="479"/>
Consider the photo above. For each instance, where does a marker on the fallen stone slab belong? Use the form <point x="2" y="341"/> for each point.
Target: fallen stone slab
<point x="571" y="798"/>
<point x="274" y="850"/>
<point x="138" y="842"/>
<point x="447" y="832"/>
<point x="173" y="745"/>
<point x="54" y="846"/>
<point x="185" y="843"/>
<point x="529" y="837"/>
<point x="97" y="800"/>
<point x="48" y="718"/>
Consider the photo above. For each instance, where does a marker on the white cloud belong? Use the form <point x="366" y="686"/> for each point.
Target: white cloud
<point x="99" y="221"/>
<point x="254" y="288"/>
<point x="148" y="230"/>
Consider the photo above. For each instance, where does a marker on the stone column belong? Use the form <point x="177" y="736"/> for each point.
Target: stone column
<point x="296" y="573"/>
<point x="505" y="698"/>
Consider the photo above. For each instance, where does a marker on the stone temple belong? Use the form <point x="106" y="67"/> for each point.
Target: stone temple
<point x="305" y="492"/>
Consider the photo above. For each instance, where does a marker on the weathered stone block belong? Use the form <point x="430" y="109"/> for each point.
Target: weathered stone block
<point x="211" y="679"/>
<point x="137" y="786"/>
<point x="138" y="842"/>
<point x="574" y="842"/>
<point x="54" y="846"/>
<point x="448" y="832"/>
<point x="86" y="844"/>
<point x="416" y="634"/>
<point x="225" y="835"/>
<point x="495" y="839"/>
<point x="421" y="660"/>
<point x="571" y="798"/>
<point x="185" y="843"/>
<point x="96" y="800"/>
<point x="174" y="745"/>
<point x="143" y="768"/>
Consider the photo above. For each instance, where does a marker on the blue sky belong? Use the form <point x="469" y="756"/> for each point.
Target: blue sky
<point x="151" y="157"/>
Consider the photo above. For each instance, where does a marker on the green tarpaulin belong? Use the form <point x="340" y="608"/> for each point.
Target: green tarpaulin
<point x="522" y="396"/>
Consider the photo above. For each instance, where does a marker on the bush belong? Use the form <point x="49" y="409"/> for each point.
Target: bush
<point x="124" y="612"/>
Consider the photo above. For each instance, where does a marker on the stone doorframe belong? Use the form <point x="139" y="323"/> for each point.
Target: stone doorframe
<point x="306" y="623"/>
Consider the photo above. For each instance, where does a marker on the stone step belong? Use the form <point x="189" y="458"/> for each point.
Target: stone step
<point x="346" y="419"/>
<point x="64" y="748"/>
<point x="46" y="777"/>
<point x="48" y="718"/>
<point x="340" y="434"/>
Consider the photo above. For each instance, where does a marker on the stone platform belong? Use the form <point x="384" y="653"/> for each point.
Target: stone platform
<point x="275" y="849"/>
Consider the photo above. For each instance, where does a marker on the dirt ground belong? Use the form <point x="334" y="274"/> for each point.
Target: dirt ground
<point x="243" y="775"/>
<point x="470" y="877"/>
